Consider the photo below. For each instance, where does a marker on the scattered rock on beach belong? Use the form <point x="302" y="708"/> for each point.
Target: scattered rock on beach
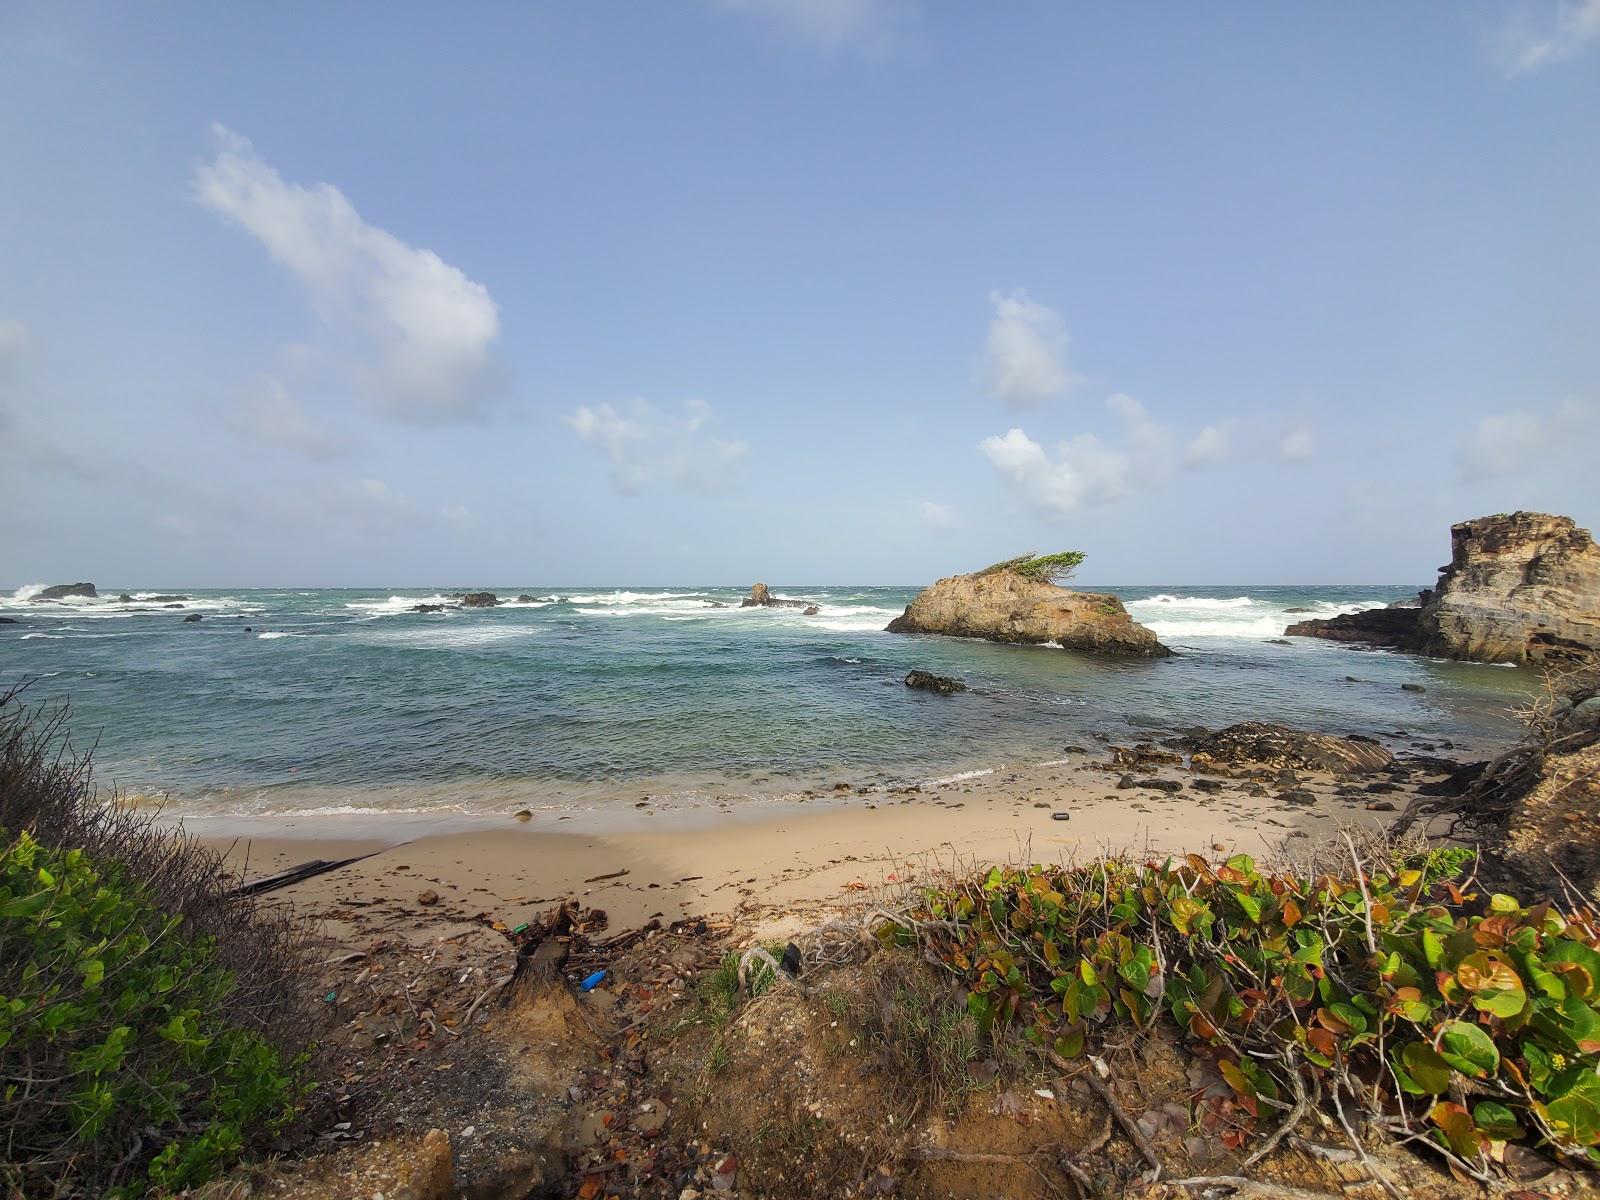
<point x="428" y="898"/>
<point x="1298" y="796"/>
<point x="1282" y="747"/>
<point x="927" y="681"/>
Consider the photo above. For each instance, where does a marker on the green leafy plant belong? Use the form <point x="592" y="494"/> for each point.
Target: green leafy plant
<point x="1393" y="985"/>
<point x="119" y="1062"/>
<point x="1054" y="568"/>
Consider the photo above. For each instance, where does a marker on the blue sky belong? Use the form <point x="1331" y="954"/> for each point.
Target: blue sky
<point x="802" y="290"/>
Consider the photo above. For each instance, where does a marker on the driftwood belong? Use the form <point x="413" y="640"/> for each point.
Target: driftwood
<point x="542" y="956"/>
<point x="293" y="875"/>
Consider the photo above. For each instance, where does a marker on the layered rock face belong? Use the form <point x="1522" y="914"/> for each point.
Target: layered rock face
<point x="1519" y="588"/>
<point x="1258" y="743"/>
<point x="1002" y="606"/>
<point x="1523" y="588"/>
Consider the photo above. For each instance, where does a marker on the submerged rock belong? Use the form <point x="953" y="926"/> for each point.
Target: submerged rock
<point x="479" y="600"/>
<point x="1256" y="742"/>
<point x="928" y="681"/>
<point x="64" y="591"/>
<point x="427" y="608"/>
<point x="192" y="618"/>
<point x="1003" y="606"/>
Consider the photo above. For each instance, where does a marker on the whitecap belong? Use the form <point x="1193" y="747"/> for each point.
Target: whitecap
<point x="958" y="777"/>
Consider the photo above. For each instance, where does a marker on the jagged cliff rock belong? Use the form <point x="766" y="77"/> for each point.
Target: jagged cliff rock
<point x="761" y="597"/>
<point x="1519" y="588"/>
<point x="1002" y="606"/>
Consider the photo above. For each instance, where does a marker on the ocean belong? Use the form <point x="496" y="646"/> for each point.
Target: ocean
<point x="301" y="703"/>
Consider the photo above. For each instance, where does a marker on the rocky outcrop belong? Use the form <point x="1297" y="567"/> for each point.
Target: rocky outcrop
<point x="1394" y="627"/>
<point x="64" y="591"/>
<point x="1519" y="588"/>
<point x="761" y="597"/>
<point x="1002" y="606"/>
<point x="929" y="682"/>
<point x="479" y="600"/>
<point x="1259" y="744"/>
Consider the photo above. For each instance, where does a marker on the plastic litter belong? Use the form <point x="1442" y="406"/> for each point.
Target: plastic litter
<point x="589" y="984"/>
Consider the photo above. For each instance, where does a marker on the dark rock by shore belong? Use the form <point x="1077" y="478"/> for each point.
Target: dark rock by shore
<point x="192" y="618"/>
<point x="761" y="597"/>
<point x="1003" y="606"/>
<point x="928" y="681"/>
<point x="8" y="621"/>
<point x="479" y="600"/>
<point x="1257" y="743"/>
<point x="64" y="591"/>
<point x="1519" y="588"/>
<point x="427" y="608"/>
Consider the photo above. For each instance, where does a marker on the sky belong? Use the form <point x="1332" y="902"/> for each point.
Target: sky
<point x="806" y="291"/>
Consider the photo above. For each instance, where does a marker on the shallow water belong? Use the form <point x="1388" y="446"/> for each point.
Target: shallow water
<point x="345" y="700"/>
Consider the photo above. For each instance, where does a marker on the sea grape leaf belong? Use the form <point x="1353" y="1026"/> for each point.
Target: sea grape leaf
<point x="1468" y="1049"/>
<point x="1495" y="987"/>
<point x="1577" y="963"/>
<point x="1574" y="1111"/>
<point x="1496" y="1120"/>
<point x="1426" y="1067"/>
<point x="1456" y="1124"/>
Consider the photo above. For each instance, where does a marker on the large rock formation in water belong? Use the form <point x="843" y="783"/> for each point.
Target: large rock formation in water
<point x="1523" y="588"/>
<point x="1002" y="606"/>
<point x="64" y="591"/>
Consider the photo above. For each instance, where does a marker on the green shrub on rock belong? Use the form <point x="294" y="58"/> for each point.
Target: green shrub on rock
<point x="119" y="1066"/>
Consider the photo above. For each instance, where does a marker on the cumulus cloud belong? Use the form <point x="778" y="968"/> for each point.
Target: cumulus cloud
<point x="270" y="414"/>
<point x="1025" y="360"/>
<point x="868" y="25"/>
<point x="1509" y="443"/>
<point x="647" y="446"/>
<point x="415" y="333"/>
<point x="1527" y="45"/>
<point x="1088" y="472"/>
<point x="938" y="516"/>
<point x="1297" y="443"/>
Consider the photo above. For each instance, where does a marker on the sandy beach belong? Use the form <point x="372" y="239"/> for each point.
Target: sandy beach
<point x="799" y="857"/>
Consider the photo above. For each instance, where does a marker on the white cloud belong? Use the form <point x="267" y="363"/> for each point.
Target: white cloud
<point x="1208" y="446"/>
<point x="868" y="25"/>
<point x="938" y="516"/>
<point x="1508" y="443"/>
<point x="1026" y="355"/>
<point x="1525" y="45"/>
<point x="270" y="414"/>
<point x="418" y="334"/>
<point x="1087" y="472"/>
<point x="1297" y="443"/>
<point x="647" y="446"/>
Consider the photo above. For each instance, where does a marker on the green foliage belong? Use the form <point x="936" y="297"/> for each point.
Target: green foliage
<point x="1055" y="568"/>
<point x="1394" y="985"/>
<point x="116" y="1058"/>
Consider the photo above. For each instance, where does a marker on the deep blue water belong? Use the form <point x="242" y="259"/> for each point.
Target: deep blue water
<point x="344" y="699"/>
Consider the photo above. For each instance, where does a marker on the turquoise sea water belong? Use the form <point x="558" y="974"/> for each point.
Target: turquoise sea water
<point x="303" y="702"/>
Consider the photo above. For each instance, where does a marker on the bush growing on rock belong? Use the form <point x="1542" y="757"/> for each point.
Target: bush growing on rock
<point x="1052" y="568"/>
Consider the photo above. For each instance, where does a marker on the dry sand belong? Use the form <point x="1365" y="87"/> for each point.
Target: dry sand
<point x="803" y="855"/>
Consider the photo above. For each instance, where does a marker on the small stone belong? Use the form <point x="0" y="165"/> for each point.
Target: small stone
<point x="428" y="897"/>
<point x="1298" y="796"/>
<point x="1128" y="781"/>
<point x="1412" y="687"/>
<point x="1162" y="785"/>
<point x="1041" y="804"/>
<point x="525" y="815"/>
<point x="1381" y="806"/>
<point x="1219" y="847"/>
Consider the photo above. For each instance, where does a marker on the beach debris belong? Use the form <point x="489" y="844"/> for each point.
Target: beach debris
<point x="1060" y="816"/>
<point x="607" y="875"/>
<point x="929" y="682"/>
<point x="293" y="875"/>
<point x="592" y="981"/>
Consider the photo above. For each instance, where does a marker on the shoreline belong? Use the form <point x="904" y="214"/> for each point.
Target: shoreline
<point x="823" y="853"/>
